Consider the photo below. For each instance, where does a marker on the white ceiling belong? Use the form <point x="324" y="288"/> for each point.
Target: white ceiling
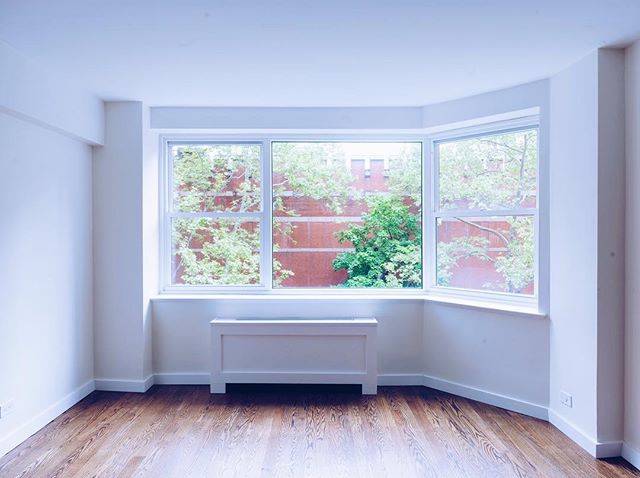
<point x="310" y="53"/>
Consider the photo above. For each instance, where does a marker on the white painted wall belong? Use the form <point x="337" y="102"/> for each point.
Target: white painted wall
<point x="150" y="235"/>
<point x="120" y="346"/>
<point x="496" y="352"/>
<point x="286" y="118"/>
<point x="611" y="244"/>
<point x="181" y="340"/>
<point x="587" y="256"/>
<point x="46" y="328"/>
<point x="632" y="322"/>
<point x="49" y="99"/>
<point x="574" y="186"/>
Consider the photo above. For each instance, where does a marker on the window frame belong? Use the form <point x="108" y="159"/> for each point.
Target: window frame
<point x="167" y="215"/>
<point x="429" y="213"/>
<point x="434" y="212"/>
<point x="266" y="225"/>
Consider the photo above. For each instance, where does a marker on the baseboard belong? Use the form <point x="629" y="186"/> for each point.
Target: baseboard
<point x="573" y="432"/>
<point x="20" y="434"/>
<point x="400" y="379"/>
<point x="610" y="449"/>
<point x="589" y="444"/>
<point x="119" y="385"/>
<point x="490" y="398"/>
<point x="182" y="379"/>
<point x="631" y="455"/>
<point x="388" y="379"/>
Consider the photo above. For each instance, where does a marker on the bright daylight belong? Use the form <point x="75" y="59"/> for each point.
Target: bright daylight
<point x="336" y="239"/>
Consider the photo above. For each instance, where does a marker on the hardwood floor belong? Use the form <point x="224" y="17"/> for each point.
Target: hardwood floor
<point x="264" y="431"/>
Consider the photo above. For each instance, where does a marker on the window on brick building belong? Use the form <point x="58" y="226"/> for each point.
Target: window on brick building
<point x="347" y="214"/>
<point x="485" y="212"/>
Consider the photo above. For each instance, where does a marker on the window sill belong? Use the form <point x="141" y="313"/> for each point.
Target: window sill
<point x="513" y="309"/>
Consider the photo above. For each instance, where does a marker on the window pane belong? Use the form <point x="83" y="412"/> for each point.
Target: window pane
<point x="486" y="253"/>
<point x="347" y="214"/>
<point x="488" y="172"/>
<point x="208" y="251"/>
<point x="216" y="177"/>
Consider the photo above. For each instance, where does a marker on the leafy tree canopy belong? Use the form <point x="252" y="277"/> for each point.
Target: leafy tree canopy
<point x="386" y="247"/>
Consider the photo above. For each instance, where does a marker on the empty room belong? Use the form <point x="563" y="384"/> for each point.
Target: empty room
<point x="340" y="238"/>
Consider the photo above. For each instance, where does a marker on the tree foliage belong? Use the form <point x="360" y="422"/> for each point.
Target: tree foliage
<point x="386" y="247"/>
<point x="495" y="172"/>
<point x="216" y="178"/>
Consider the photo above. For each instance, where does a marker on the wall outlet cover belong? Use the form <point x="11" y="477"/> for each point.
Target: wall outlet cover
<point x="566" y="399"/>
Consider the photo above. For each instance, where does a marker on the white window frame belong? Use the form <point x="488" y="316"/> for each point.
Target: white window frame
<point x="266" y="234"/>
<point x="429" y="214"/>
<point x="434" y="213"/>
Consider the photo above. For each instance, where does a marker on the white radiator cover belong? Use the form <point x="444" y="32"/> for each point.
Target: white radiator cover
<point x="289" y="350"/>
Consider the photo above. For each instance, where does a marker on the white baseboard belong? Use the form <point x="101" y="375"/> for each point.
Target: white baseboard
<point x="182" y="378"/>
<point x="592" y="446"/>
<point x="388" y="379"/>
<point x="400" y="379"/>
<point x="490" y="398"/>
<point x="20" y="434"/>
<point x="610" y="449"/>
<point x="118" y="385"/>
<point x="631" y="455"/>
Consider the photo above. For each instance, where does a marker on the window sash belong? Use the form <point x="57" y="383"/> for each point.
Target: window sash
<point x="436" y="212"/>
<point x="429" y="212"/>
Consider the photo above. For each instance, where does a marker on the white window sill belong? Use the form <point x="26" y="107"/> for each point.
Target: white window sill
<point x="515" y="309"/>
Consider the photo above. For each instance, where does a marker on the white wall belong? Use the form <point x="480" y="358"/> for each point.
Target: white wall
<point x="574" y="132"/>
<point x="456" y="112"/>
<point x="632" y="323"/>
<point x="587" y="167"/>
<point x="611" y="246"/>
<point x="496" y="352"/>
<point x="286" y="118"/>
<point x="48" y="99"/>
<point x="46" y="341"/>
<point x="120" y="346"/>
<point x="181" y="341"/>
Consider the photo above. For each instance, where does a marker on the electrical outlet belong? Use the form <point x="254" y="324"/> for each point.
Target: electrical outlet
<point x="6" y="408"/>
<point x="566" y="399"/>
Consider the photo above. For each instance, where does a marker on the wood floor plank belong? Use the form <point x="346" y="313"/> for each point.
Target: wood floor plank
<point x="296" y="431"/>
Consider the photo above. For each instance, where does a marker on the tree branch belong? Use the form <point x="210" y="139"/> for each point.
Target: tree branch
<point x="484" y="228"/>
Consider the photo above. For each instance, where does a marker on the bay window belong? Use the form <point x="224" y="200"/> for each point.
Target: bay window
<point x="276" y="214"/>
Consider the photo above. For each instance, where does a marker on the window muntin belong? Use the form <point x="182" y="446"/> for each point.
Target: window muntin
<point x="485" y="212"/>
<point x="214" y="214"/>
<point x="347" y="214"/>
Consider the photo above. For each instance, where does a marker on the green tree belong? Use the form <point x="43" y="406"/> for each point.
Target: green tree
<point x="386" y="246"/>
